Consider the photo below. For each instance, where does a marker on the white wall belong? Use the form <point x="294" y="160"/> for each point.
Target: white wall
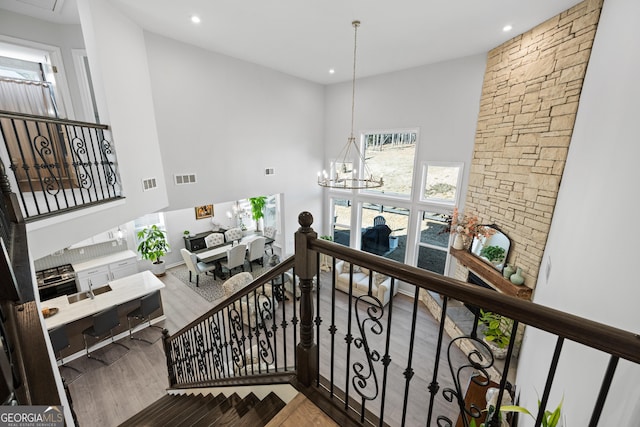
<point x="227" y="120"/>
<point x="117" y="56"/>
<point x="591" y="244"/>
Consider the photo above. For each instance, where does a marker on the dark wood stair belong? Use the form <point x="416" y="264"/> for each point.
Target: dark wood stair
<point x="208" y="410"/>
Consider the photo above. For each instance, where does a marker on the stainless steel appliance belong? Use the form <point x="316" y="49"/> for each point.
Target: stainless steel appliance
<point x="56" y="281"/>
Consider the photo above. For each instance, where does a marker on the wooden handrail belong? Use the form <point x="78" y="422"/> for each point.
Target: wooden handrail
<point x="608" y="339"/>
<point x="45" y="119"/>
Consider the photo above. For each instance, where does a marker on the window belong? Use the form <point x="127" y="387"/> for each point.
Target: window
<point x="434" y="242"/>
<point x="147" y="221"/>
<point x="441" y="183"/>
<point x="384" y="230"/>
<point x="392" y="156"/>
<point x="341" y="221"/>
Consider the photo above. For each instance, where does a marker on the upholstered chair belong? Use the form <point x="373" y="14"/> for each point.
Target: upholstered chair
<point x="214" y="239"/>
<point x="270" y="234"/>
<point x="256" y="251"/>
<point x="235" y="258"/>
<point x="196" y="267"/>
<point x="233" y="234"/>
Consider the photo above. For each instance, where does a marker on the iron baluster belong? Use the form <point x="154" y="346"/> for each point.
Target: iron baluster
<point x="408" y="373"/>
<point x="434" y="386"/>
<point x="318" y="319"/>
<point x="333" y="329"/>
<point x="604" y="390"/>
<point x="386" y="359"/>
<point x="348" y="338"/>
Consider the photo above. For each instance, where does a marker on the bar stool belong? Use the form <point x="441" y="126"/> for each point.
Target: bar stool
<point x="60" y="341"/>
<point x="103" y="324"/>
<point x="148" y="305"/>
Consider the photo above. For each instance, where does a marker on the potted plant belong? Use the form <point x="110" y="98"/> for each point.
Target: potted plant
<point x="257" y="205"/>
<point x="153" y="245"/>
<point x="495" y="254"/>
<point x="496" y="331"/>
<point x="186" y="233"/>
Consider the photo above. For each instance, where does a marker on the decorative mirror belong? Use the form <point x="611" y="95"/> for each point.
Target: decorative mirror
<point x="492" y="247"/>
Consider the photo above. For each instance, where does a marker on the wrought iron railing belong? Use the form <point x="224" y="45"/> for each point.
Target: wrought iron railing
<point x="379" y="357"/>
<point x="58" y="165"/>
<point x="252" y="332"/>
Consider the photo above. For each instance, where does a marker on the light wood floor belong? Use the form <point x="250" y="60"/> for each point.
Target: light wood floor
<point x="108" y="395"/>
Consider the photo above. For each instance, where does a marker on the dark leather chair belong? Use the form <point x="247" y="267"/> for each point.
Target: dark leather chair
<point x="104" y="323"/>
<point x="148" y="305"/>
<point x="376" y="239"/>
<point x="60" y="341"/>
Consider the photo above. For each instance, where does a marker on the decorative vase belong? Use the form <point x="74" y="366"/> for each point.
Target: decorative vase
<point x="458" y="242"/>
<point x="517" y="278"/>
<point x="508" y="271"/>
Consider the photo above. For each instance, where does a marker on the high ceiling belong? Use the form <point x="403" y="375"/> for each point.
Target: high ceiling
<point x="306" y="38"/>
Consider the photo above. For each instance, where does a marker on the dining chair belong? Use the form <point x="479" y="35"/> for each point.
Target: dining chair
<point x="148" y="305"/>
<point x="235" y="258"/>
<point x="256" y="252"/>
<point x="214" y="239"/>
<point x="196" y="267"/>
<point x="233" y="234"/>
<point x="270" y="233"/>
<point x="104" y="322"/>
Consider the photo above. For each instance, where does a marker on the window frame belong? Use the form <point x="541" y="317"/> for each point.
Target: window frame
<point x="423" y="183"/>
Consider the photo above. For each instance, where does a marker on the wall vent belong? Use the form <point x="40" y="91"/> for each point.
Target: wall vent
<point x="269" y="171"/>
<point x="149" y="184"/>
<point x="185" y="178"/>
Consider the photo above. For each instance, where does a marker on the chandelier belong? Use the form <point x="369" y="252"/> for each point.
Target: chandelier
<point x="344" y="174"/>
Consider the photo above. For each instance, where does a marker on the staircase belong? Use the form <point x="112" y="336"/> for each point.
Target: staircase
<point x="207" y="410"/>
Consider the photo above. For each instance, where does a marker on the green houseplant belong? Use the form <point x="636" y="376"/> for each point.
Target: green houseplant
<point x="495" y="254"/>
<point x="153" y="245"/>
<point x="497" y="331"/>
<point x="257" y="205"/>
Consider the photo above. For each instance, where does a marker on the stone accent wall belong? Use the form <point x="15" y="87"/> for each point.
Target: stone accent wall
<point x="528" y="107"/>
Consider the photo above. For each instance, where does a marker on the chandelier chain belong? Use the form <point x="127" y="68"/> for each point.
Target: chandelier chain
<point x="355" y="24"/>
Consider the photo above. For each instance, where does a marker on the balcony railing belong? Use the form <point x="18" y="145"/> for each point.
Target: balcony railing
<point x="58" y="165"/>
<point x="372" y="358"/>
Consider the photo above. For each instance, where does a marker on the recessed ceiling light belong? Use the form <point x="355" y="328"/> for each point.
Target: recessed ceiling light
<point x="507" y="28"/>
<point x="332" y="71"/>
<point x="195" y="19"/>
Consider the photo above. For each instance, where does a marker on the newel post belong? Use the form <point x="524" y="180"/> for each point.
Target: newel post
<point x="306" y="267"/>
<point x="167" y="352"/>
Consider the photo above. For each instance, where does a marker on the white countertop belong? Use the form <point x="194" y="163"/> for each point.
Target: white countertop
<point x="123" y="290"/>
<point x="108" y="259"/>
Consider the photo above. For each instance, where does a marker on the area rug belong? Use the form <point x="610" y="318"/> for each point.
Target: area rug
<point x="210" y="288"/>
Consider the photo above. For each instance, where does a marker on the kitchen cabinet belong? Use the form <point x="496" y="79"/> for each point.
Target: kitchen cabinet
<point x="98" y="276"/>
<point x="106" y="236"/>
<point x="102" y="270"/>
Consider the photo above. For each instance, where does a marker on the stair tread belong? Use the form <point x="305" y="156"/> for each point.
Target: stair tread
<point x="148" y="416"/>
<point x="231" y="417"/>
<point x="195" y="402"/>
<point x="212" y="404"/>
<point x="262" y="412"/>
<point x="163" y="401"/>
<point x="212" y="417"/>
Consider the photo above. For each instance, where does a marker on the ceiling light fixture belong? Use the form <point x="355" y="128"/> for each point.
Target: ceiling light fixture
<point x="507" y="28"/>
<point x="344" y="175"/>
<point x="195" y="19"/>
<point x="332" y="71"/>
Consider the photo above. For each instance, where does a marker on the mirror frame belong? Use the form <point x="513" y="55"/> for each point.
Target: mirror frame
<point x="476" y="247"/>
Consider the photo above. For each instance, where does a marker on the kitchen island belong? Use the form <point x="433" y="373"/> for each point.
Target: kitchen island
<point x="125" y="293"/>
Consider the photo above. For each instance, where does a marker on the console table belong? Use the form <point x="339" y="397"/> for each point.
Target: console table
<point x="196" y="242"/>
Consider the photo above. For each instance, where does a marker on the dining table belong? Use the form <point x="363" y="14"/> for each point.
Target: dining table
<point x="219" y="252"/>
